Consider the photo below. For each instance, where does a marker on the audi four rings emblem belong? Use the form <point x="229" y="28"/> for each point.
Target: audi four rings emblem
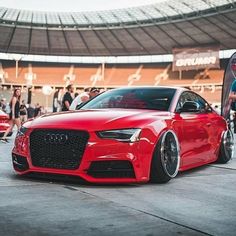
<point x="55" y="138"/>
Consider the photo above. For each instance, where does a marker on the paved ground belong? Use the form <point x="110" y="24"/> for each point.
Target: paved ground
<point x="197" y="202"/>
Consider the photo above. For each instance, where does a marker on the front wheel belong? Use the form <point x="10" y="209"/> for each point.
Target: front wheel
<point x="166" y="159"/>
<point x="226" y="147"/>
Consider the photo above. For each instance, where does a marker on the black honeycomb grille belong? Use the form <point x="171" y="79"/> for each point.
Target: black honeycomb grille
<point x="60" y="149"/>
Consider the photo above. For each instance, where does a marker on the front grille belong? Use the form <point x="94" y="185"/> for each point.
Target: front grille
<point x="60" y="149"/>
<point x="111" y="169"/>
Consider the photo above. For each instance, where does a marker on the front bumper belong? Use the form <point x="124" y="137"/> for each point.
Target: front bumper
<point x="104" y="161"/>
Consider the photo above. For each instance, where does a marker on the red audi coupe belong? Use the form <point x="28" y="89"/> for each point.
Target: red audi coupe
<point x="135" y="134"/>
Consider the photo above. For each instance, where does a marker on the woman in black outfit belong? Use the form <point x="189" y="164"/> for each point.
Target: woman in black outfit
<point x="14" y="114"/>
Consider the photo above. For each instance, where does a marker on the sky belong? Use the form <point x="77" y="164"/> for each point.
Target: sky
<point x="73" y="5"/>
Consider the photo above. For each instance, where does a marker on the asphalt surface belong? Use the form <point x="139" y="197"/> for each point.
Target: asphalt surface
<point x="197" y="202"/>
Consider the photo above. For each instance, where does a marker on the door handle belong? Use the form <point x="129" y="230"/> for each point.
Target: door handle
<point x="208" y="124"/>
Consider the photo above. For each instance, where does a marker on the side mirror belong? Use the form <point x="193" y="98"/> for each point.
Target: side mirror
<point x="190" y="106"/>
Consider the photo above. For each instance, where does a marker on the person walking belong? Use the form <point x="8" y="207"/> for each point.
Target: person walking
<point x="14" y="116"/>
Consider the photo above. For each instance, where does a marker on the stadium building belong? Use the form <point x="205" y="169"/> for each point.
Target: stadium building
<point x="183" y="43"/>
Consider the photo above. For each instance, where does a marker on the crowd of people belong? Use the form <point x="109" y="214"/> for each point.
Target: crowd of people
<point x="19" y="112"/>
<point x="26" y="111"/>
<point x="71" y="100"/>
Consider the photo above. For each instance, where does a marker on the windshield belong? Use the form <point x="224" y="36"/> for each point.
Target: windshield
<point x="133" y="98"/>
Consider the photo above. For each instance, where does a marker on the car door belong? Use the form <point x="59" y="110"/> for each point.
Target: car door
<point x="195" y="132"/>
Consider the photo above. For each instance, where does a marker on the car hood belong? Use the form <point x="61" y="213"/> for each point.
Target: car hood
<point x="98" y="119"/>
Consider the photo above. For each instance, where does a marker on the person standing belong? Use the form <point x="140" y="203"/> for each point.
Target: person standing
<point x="234" y="122"/>
<point x="81" y="98"/>
<point x="93" y="92"/>
<point x="67" y="98"/>
<point x="217" y="109"/>
<point x="23" y="112"/>
<point x="30" y="112"/>
<point x="56" y="101"/>
<point x="14" y="116"/>
<point x="232" y="96"/>
<point x="37" y="110"/>
<point x="3" y="105"/>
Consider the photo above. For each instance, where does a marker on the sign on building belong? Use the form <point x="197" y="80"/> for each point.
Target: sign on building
<point x="195" y="58"/>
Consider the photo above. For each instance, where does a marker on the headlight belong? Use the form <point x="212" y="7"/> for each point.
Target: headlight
<point x="123" y="135"/>
<point x="21" y="131"/>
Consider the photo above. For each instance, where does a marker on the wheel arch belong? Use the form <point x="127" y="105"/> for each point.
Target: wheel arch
<point x="162" y="135"/>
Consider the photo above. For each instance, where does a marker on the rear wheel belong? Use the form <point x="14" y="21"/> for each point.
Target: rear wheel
<point x="226" y="147"/>
<point x="166" y="159"/>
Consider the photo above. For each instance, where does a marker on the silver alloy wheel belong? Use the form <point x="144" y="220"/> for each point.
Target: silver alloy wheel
<point x="228" y="144"/>
<point x="170" y="157"/>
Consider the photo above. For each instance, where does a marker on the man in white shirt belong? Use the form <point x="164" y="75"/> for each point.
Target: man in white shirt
<point x="81" y="98"/>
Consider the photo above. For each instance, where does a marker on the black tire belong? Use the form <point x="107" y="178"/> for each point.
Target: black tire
<point x="226" y="147"/>
<point x="166" y="159"/>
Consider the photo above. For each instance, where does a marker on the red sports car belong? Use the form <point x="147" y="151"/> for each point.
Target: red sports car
<point x="126" y="135"/>
<point x="4" y="123"/>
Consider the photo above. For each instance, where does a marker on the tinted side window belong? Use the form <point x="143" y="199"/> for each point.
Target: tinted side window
<point x="203" y="104"/>
<point x="183" y="98"/>
<point x="190" y="96"/>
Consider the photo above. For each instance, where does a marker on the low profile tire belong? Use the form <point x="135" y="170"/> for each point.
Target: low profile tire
<point x="226" y="147"/>
<point x="166" y="159"/>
